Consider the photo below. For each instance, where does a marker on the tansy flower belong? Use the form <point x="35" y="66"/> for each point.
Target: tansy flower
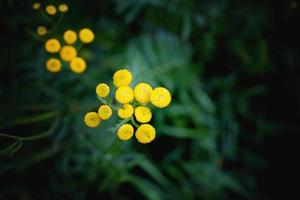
<point x="160" y="97"/>
<point x="145" y="133"/>
<point x="104" y="112"/>
<point x="91" y="119"/>
<point x="51" y="10"/>
<point x="124" y="94"/>
<point x="86" y="35"/>
<point x="41" y="30"/>
<point x="70" y="37"/>
<point x="125" y="111"/>
<point x="125" y="132"/>
<point x="68" y="53"/>
<point x="53" y="65"/>
<point x="132" y="102"/>
<point x="36" y="5"/>
<point x="78" y="65"/>
<point x="142" y="93"/>
<point x="102" y="90"/>
<point x="122" y="77"/>
<point x="52" y="45"/>
<point x="143" y="114"/>
<point x="63" y="8"/>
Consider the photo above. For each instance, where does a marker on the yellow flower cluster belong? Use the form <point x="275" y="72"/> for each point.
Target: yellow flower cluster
<point x="133" y="105"/>
<point x="68" y="52"/>
<point x="65" y="50"/>
<point x="51" y="9"/>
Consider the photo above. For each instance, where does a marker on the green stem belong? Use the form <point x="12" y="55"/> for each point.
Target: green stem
<point x="124" y="121"/>
<point x="36" y="118"/>
<point x="33" y="137"/>
<point x="47" y="18"/>
<point x="133" y="122"/>
<point x="58" y="22"/>
<point x="107" y="101"/>
<point x="79" y="47"/>
<point x="33" y="34"/>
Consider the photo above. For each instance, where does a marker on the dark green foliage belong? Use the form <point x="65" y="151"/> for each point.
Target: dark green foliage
<point x="208" y="53"/>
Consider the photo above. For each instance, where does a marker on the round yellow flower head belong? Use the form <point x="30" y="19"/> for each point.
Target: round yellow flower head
<point x="122" y="77"/>
<point x="102" y="90"/>
<point x="78" y="65"/>
<point x="63" y="7"/>
<point x="36" y="5"/>
<point x="91" y="119"/>
<point x="142" y="93"/>
<point x="125" y="132"/>
<point x="68" y="53"/>
<point x="86" y="35"/>
<point x="160" y="97"/>
<point x="126" y="111"/>
<point x="143" y="114"/>
<point x="124" y="94"/>
<point x="104" y="112"/>
<point x="41" y="30"/>
<point x="53" y="65"/>
<point x="145" y="133"/>
<point x="52" y="45"/>
<point x="70" y="37"/>
<point x="51" y="10"/>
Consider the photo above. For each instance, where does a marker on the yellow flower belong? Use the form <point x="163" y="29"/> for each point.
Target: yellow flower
<point x="125" y="132"/>
<point x="41" y="30"/>
<point x="53" y="65"/>
<point x="126" y="111"/>
<point x="160" y="97"/>
<point x="142" y="93"/>
<point x="122" y="77"/>
<point x="51" y="10"/>
<point x="104" y="112"/>
<point x="143" y="114"/>
<point x="36" y="5"/>
<point x="145" y="133"/>
<point x="52" y="45"/>
<point x="102" y="90"/>
<point x="70" y="37"/>
<point x="68" y="53"/>
<point x="91" y="119"/>
<point x="86" y="35"/>
<point x="63" y="7"/>
<point x="78" y="65"/>
<point x="124" y="94"/>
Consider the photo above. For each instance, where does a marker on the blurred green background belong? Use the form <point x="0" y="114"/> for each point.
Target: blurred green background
<point x="232" y="68"/>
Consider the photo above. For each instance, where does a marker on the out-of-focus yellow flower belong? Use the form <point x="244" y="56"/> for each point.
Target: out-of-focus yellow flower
<point x="86" y="35"/>
<point x="36" y="6"/>
<point x="51" y="10"/>
<point x="63" y="7"/>
<point x="104" y="112"/>
<point x="124" y="94"/>
<point x="41" y="30"/>
<point x="102" y="90"/>
<point x="125" y="132"/>
<point x="142" y="114"/>
<point x="68" y="53"/>
<point x="52" y="45"/>
<point x="70" y="37"/>
<point x="142" y="93"/>
<point x="145" y="133"/>
<point x="122" y="77"/>
<point x="92" y="120"/>
<point x="160" y="97"/>
<point x="78" y="65"/>
<point x="125" y="111"/>
<point x="53" y="65"/>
